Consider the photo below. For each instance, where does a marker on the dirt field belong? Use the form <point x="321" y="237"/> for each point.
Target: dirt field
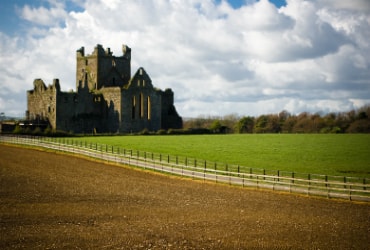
<point x="49" y="200"/>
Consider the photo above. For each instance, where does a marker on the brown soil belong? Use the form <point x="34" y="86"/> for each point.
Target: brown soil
<point x="50" y="200"/>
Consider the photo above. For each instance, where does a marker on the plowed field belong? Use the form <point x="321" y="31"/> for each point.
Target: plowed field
<point x="50" y="200"/>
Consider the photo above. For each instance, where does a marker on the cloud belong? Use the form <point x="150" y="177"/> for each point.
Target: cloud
<point x="44" y="16"/>
<point x="356" y="5"/>
<point x="256" y="59"/>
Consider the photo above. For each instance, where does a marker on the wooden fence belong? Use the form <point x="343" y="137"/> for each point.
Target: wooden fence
<point x="352" y="188"/>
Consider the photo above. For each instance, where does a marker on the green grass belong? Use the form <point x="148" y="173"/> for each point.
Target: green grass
<point x="329" y="154"/>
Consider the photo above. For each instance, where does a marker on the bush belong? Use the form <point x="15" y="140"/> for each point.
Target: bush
<point x="48" y="131"/>
<point x="18" y="130"/>
<point x="190" y="131"/>
<point x="199" y="131"/>
<point x="145" y="131"/>
<point x="37" y="131"/>
<point x="175" y="131"/>
<point x="330" y="130"/>
<point x="161" y="132"/>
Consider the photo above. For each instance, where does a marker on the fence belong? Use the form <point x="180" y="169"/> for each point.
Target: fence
<point x="352" y="188"/>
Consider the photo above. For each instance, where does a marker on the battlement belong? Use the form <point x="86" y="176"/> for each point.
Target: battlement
<point x="102" y="69"/>
<point x="100" y="51"/>
<point x="80" y="52"/>
<point x="39" y="86"/>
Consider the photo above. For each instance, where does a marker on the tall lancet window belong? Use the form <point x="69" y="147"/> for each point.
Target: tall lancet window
<point x="133" y="109"/>
<point x="141" y="105"/>
<point x="149" y="108"/>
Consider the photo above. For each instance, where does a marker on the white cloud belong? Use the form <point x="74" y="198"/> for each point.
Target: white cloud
<point x="44" y="16"/>
<point x="305" y="56"/>
<point x="357" y="5"/>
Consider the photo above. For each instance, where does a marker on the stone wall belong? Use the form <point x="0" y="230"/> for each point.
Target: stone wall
<point x="170" y="117"/>
<point x="102" y="69"/>
<point x="42" y="101"/>
<point x="81" y="112"/>
<point x="112" y="98"/>
<point x="141" y="104"/>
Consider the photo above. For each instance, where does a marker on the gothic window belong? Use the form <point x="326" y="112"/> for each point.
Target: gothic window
<point x="138" y="83"/>
<point x="141" y="105"/>
<point x="133" y="107"/>
<point x="149" y="108"/>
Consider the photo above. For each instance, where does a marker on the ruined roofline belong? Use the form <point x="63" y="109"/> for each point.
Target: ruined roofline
<point x="99" y="51"/>
<point x="39" y="85"/>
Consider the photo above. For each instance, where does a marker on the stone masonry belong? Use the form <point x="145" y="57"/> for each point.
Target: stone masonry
<point x="107" y="99"/>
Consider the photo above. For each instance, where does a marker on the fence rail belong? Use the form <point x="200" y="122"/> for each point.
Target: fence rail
<point x="352" y="188"/>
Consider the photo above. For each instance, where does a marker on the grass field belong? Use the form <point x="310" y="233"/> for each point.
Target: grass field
<point x="330" y="154"/>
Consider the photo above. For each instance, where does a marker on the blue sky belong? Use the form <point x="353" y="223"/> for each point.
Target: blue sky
<point x="240" y="3"/>
<point x="11" y="23"/>
<point x="220" y="57"/>
<point x="10" y="19"/>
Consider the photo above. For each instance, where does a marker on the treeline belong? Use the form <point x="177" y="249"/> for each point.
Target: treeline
<point x="354" y="121"/>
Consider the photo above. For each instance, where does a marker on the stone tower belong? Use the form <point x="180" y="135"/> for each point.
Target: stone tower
<point x="102" y="69"/>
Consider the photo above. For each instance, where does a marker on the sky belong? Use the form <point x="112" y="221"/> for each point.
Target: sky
<point x="241" y="57"/>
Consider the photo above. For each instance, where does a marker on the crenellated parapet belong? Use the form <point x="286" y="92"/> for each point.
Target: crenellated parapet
<point x="40" y="87"/>
<point x="102" y="69"/>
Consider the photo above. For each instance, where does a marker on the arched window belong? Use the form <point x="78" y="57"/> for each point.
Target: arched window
<point x="149" y="108"/>
<point x="133" y="107"/>
<point x="141" y="105"/>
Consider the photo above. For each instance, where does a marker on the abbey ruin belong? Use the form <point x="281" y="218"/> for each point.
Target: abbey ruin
<point x="107" y="99"/>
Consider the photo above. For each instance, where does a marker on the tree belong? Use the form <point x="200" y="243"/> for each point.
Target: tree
<point x="273" y="124"/>
<point x="267" y="124"/>
<point x="283" y="116"/>
<point x="245" y="125"/>
<point x="289" y="124"/>
<point x="317" y="123"/>
<point x="342" y="122"/>
<point x="216" y="126"/>
<point x="359" y="126"/>
<point x="330" y="124"/>
<point x="230" y="122"/>
<point x="260" y="125"/>
<point x="304" y="123"/>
